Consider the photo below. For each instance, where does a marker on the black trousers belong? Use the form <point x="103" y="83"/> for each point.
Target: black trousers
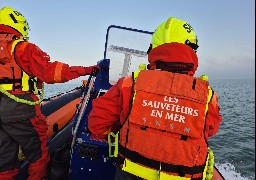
<point x="22" y="125"/>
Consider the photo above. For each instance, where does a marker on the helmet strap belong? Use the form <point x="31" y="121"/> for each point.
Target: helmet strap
<point x="149" y="48"/>
<point x="175" y="67"/>
<point x="192" y="45"/>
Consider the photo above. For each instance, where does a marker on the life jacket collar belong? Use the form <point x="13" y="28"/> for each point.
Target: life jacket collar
<point x="175" y="53"/>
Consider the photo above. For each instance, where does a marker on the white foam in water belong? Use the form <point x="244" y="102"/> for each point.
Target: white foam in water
<point x="228" y="171"/>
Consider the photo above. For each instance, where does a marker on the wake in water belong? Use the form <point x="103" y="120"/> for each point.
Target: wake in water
<point x="228" y="171"/>
<point x="234" y="145"/>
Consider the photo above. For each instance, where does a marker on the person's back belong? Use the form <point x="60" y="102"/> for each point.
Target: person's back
<point x="24" y="68"/>
<point x="165" y="115"/>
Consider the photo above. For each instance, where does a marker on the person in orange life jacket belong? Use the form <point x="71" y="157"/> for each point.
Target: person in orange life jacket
<point x="164" y="117"/>
<point x="24" y="67"/>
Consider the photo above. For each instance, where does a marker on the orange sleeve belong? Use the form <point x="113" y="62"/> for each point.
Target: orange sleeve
<point x="213" y="118"/>
<point x="37" y="63"/>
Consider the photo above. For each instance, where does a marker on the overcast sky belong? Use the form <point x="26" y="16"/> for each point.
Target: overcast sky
<point x="74" y="31"/>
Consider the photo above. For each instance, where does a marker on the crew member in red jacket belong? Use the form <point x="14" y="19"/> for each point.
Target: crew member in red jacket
<point x="164" y="115"/>
<point x="23" y="68"/>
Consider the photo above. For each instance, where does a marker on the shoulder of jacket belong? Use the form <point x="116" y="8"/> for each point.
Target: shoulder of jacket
<point x="126" y="81"/>
<point x="22" y="45"/>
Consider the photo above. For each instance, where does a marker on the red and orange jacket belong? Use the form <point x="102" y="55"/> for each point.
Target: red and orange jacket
<point x="36" y="63"/>
<point x="162" y="117"/>
<point x="117" y="101"/>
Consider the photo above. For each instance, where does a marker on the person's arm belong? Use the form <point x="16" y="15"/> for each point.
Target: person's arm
<point x="37" y="63"/>
<point x="213" y="118"/>
<point x="105" y="113"/>
<point x="108" y="110"/>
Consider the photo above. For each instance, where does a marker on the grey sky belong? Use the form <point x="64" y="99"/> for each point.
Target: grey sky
<point x="74" y="31"/>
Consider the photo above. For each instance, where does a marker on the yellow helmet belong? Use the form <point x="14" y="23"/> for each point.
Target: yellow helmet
<point x="12" y="18"/>
<point x="174" y="30"/>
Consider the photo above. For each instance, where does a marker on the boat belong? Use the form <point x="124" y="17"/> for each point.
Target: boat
<point x="74" y="155"/>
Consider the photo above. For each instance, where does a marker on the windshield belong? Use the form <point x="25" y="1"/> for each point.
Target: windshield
<point x="127" y="49"/>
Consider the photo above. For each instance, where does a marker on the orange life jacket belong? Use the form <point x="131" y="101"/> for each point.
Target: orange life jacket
<point x="165" y="128"/>
<point x="12" y="77"/>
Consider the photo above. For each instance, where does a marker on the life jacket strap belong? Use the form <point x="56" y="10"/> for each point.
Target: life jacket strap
<point x="9" y="81"/>
<point x="179" y="169"/>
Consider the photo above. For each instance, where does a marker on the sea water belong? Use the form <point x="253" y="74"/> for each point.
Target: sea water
<point x="234" y="144"/>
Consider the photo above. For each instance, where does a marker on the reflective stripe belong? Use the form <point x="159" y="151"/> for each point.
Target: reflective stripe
<point x="14" y="45"/>
<point x="140" y="171"/>
<point x="148" y="173"/>
<point x="210" y="92"/>
<point x="127" y="82"/>
<point x="6" y="86"/>
<point x="208" y="172"/>
<point x="25" y="79"/>
<point x="215" y="100"/>
<point x="142" y="67"/>
<point x="57" y="73"/>
<point x="208" y="99"/>
<point x="164" y="176"/>
<point x="179" y="169"/>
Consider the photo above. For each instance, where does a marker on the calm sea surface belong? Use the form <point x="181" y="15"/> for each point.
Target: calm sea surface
<point x="234" y="144"/>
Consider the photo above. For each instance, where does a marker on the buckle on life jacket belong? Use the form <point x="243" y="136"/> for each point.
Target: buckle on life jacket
<point x="183" y="137"/>
<point x="113" y="152"/>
